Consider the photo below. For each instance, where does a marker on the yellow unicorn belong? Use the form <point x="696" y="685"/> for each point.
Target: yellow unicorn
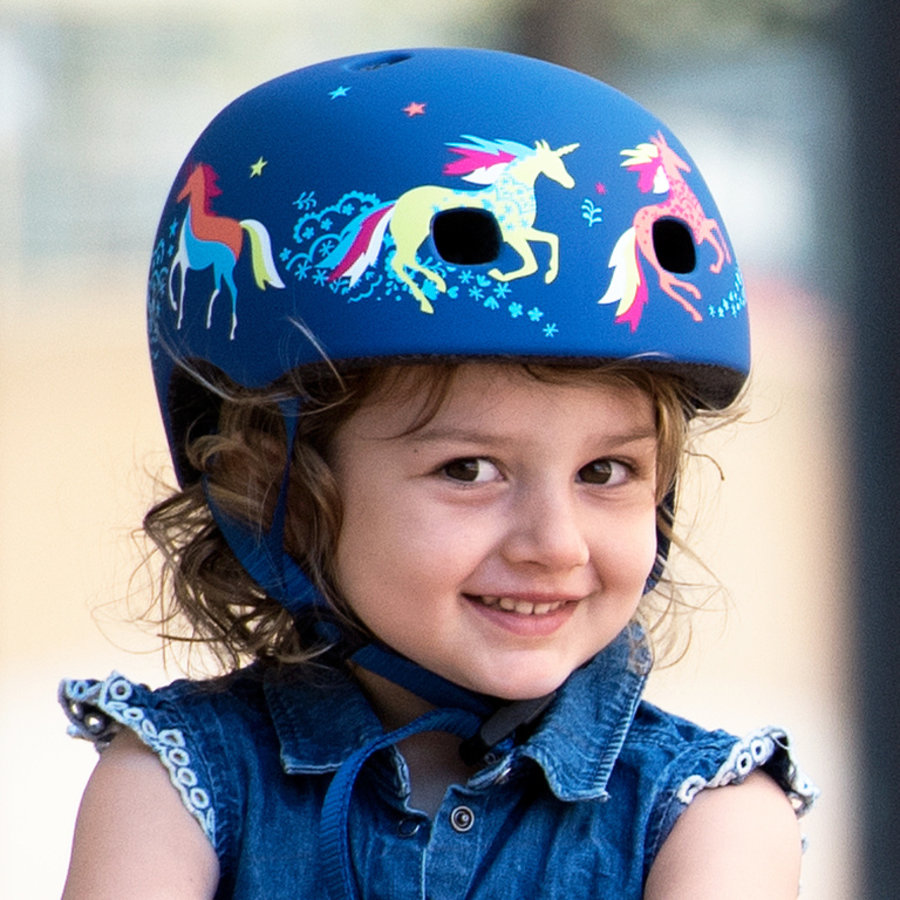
<point x="506" y="169"/>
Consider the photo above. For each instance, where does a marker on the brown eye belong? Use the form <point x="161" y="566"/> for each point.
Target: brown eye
<point x="472" y="470"/>
<point x="603" y="471"/>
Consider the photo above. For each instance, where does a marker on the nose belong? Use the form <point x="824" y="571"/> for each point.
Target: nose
<point x="545" y="529"/>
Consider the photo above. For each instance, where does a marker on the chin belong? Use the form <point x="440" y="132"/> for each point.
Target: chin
<point x="521" y="688"/>
<point x="527" y="676"/>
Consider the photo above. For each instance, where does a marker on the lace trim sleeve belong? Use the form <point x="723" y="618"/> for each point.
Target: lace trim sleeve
<point x="97" y="710"/>
<point x="767" y="749"/>
<point x="721" y="759"/>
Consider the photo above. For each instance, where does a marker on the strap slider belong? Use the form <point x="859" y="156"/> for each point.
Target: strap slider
<point x="501" y="724"/>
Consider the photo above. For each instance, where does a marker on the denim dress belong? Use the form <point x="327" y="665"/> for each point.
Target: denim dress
<point x="577" y="809"/>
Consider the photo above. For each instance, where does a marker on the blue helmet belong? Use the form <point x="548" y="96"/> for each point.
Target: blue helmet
<point x="441" y="204"/>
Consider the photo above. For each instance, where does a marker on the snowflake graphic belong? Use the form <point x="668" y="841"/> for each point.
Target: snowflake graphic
<point x="535" y="314"/>
<point x="550" y="330"/>
<point x="516" y="310"/>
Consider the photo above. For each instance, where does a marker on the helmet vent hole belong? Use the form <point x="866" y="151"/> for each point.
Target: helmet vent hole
<point x="468" y="237"/>
<point x="674" y="246"/>
<point x="371" y="63"/>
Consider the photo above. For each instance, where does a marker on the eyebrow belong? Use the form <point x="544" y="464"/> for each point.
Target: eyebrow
<point x="427" y="435"/>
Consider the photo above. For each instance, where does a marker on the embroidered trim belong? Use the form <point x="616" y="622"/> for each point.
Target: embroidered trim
<point x="759" y="749"/>
<point x="98" y="709"/>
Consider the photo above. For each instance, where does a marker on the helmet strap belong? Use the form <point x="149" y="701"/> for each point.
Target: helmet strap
<point x="663" y="542"/>
<point x="478" y="720"/>
<point x="262" y="552"/>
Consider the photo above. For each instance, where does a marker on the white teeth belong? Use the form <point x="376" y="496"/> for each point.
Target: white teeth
<point x="522" y="607"/>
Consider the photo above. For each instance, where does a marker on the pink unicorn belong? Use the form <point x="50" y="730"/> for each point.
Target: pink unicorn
<point x="659" y="169"/>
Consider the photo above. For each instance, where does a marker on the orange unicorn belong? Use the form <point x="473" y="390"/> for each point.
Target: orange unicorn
<point x="207" y="239"/>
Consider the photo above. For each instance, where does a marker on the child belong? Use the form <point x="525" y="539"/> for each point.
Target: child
<point x="429" y="329"/>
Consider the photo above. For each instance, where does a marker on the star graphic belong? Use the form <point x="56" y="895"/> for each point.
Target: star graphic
<point x="600" y="187"/>
<point x="257" y="167"/>
<point x="414" y="109"/>
<point x="341" y="91"/>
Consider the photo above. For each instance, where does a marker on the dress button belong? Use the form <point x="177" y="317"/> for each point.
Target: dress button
<point x="462" y="819"/>
<point x="408" y="827"/>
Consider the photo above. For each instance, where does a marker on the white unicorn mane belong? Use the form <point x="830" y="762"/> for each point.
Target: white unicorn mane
<point x="641" y="155"/>
<point x="489" y="174"/>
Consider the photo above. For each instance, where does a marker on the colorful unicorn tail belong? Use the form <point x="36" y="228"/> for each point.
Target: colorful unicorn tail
<point x="627" y="287"/>
<point x="359" y="244"/>
<point x="264" y="271"/>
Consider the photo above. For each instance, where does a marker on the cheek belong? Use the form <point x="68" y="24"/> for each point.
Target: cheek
<point x="630" y="556"/>
<point x="379" y="550"/>
<point x="357" y="558"/>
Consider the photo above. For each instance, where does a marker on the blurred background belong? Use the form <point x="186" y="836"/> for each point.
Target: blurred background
<point x="100" y="101"/>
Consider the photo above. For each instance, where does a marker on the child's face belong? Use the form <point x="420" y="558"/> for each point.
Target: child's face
<point x="508" y="540"/>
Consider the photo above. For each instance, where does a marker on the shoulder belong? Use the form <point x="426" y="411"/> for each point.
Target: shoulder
<point x="128" y="803"/>
<point x="686" y="758"/>
<point x="673" y="758"/>
<point x="688" y="777"/>
<point x="199" y="738"/>
<point x="740" y="841"/>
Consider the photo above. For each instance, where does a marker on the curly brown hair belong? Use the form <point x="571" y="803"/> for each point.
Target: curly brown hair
<point x="205" y="594"/>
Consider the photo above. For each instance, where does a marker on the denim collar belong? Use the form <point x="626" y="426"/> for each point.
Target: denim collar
<point x="581" y="735"/>
<point x="320" y="724"/>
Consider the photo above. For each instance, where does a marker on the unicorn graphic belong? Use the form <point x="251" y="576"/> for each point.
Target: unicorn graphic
<point x="507" y="171"/>
<point x="659" y="170"/>
<point x="207" y="239"/>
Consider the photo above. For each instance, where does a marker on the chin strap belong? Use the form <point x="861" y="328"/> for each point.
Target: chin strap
<point x="262" y="552"/>
<point x="479" y="721"/>
<point x="498" y="720"/>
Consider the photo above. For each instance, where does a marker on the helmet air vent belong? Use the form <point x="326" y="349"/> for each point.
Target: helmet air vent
<point x="468" y="237"/>
<point x="371" y="63"/>
<point x="674" y="246"/>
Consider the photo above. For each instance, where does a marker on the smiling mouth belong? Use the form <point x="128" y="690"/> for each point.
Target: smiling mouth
<point x="521" y="607"/>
